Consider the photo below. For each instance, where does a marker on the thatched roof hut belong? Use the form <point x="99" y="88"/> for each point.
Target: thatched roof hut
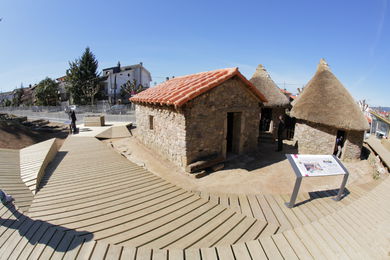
<point x="326" y="101"/>
<point x="325" y="111"/>
<point x="263" y="82"/>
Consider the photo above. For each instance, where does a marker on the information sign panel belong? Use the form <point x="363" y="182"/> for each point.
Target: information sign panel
<point x="307" y="165"/>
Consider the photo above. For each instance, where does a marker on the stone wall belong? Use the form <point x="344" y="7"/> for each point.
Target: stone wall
<point x="206" y="120"/>
<point x="314" y="138"/>
<point x="319" y="139"/>
<point x="168" y="134"/>
<point x="353" y="145"/>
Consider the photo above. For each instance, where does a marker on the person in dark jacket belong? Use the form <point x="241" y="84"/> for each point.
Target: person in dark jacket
<point x="281" y="127"/>
<point x="73" y="118"/>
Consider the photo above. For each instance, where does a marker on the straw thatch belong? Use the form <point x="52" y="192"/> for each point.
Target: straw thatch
<point x="326" y="101"/>
<point x="270" y="90"/>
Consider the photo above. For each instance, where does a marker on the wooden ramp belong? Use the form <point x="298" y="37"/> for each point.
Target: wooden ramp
<point x="33" y="162"/>
<point x="115" y="132"/>
<point x="359" y="230"/>
<point x="92" y="188"/>
<point x="10" y="180"/>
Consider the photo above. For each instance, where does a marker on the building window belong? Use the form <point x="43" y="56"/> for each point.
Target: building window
<point x="151" y="126"/>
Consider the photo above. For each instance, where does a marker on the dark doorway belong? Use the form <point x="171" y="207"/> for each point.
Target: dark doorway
<point x="233" y="132"/>
<point x="340" y="134"/>
<point x="265" y="120"/>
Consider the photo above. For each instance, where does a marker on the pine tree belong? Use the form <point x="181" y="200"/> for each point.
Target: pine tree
<point x="83" y="79"/>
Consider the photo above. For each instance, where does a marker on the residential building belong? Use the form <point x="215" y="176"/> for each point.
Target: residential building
<point x="115" y="77"/>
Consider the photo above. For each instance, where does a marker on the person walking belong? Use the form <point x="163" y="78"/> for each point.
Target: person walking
<point x="281" y="127"/>
<point x="339" y="144"/>
<point x="73" y="118"/>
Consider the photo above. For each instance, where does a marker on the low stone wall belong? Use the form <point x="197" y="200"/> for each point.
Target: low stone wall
<point x="168" y="134"/>
<point x="94" y="120"/>
<point x="314" y="138"/>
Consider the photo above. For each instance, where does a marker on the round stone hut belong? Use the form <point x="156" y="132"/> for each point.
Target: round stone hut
<point x="204" y="115"/>
<point x="324" y="111"/>
<point x="277" y="101"/>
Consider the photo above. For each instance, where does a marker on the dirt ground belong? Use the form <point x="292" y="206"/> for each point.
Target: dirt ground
<point x="265" y="171"/>
<point x="17" y="135"/>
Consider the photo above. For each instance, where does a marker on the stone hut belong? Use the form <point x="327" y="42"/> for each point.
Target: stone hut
<point x="189" y="118"/>
<point x="324" y="111"/>
<point x="277" y="101"/>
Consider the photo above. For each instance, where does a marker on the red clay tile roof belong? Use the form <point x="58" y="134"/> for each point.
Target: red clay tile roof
<point x="180" y="90"/>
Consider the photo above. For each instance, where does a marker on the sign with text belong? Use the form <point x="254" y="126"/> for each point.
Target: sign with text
<point x="317" y="165"/>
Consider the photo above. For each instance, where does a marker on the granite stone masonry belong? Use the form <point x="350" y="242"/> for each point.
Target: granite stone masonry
<point x="315" y="138"/>
<point x="199" y="129"/>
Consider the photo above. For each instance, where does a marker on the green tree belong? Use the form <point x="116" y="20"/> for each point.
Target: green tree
<point x="46" y="92"/>
<point x="17" y="99"/>
<point x="131" y="88"/>
<point x="83" y="79"/>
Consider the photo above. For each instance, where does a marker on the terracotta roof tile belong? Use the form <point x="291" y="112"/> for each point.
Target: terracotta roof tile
<point x="180" y="90"/>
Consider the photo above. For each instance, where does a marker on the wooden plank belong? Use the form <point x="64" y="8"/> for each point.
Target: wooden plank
<point x="296" y="244"/>
<point x="144" y="253"/>
<point x="256" y="250"/>
<point x="253" y="232"/>
<point x="255" y="207"/>
<point x="192" y="253"/>
<point x="267" y="210"/>
<point x="225" y="252"/>
<point x="244" y="204"/>
<point x="128" y="253"/>
<point x="208" y="253"/>
<point x="270" y="248"/>
<point x="284" y="247"/>
<point x="238" y="231"/>
<point x="241" y="252"/>
<point x="233" y="203"/>
<point x="309" y="243"/>
<point x="100" y="250"/>
<point x="282" y="219"/>
<point x="74" y="248"/>
<point x="158" y="254"/>
<point x="86" y="250"/>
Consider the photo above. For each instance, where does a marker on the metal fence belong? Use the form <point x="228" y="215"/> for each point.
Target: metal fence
<point x="117" y="113"/>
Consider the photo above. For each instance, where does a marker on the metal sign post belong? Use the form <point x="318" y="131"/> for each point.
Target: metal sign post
<point x="314" y="166"/>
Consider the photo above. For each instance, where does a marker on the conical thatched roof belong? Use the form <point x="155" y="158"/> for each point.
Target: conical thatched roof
<point x="267" y="86"/>
<point x="326" y="101"/>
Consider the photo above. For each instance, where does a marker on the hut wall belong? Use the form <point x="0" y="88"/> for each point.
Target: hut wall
<point x="206" y="120"/>
<point x="314" y="138"/>
<point x="168" y="134"/>
<point x="353" y="145"/>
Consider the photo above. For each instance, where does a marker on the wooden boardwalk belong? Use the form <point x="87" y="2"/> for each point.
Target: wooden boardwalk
<point x="95" y="204"/>
<point x="10" y="179"/>
<point x="95" y="189"/>
<point x="359" y="230"/>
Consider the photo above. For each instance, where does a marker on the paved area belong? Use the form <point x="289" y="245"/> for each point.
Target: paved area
<point x="92" y="131"/>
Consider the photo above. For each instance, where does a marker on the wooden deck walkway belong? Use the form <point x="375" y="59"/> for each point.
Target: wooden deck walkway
<point x="95" y="189"/>
<point x="271" y="208"/>
<point x="95" y="204"/>
<point x="33" y="162"/>
<point x="10" y="179"/>
<point x="360" y="230"/>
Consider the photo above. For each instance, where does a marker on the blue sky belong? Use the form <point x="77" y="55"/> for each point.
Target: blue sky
<point x="38" y="38"/>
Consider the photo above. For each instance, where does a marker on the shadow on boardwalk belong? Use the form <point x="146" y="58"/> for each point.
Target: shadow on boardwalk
<point x="36" y="232"/>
